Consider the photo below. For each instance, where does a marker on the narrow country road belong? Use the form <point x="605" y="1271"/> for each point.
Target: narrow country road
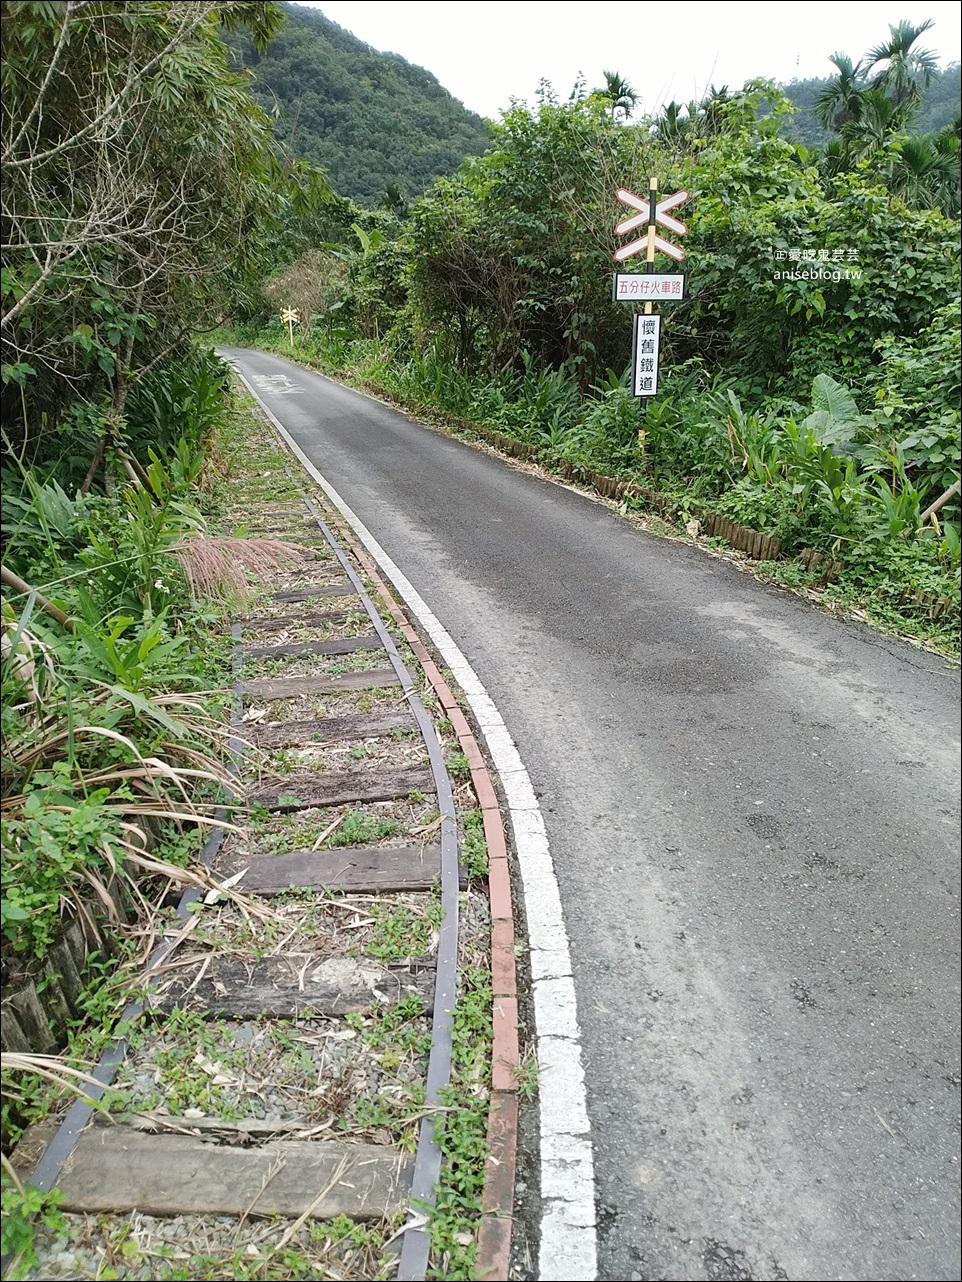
<point x="753" y="812"/>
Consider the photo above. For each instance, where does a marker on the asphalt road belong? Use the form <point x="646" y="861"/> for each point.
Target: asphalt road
<point x="754" y="815"/>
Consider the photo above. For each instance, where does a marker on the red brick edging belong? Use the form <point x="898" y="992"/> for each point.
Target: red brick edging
<point x="497" y="1205"/>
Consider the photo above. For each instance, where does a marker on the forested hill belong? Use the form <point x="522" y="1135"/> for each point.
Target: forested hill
<point x="940" y="106"/>
<point x="370" y="119"/>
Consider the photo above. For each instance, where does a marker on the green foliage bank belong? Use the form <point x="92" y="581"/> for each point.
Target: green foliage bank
<point x="141" y="193"/>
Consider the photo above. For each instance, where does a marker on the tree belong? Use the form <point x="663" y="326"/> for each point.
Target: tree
<point x="904" y="71"/>
<point x="711" y="110"/>
<point x="925" y="171"/>
<point x="840" y="102"/>
<point x="138" y="180"/>
<point x="619" y="95"/>
<point x="512" y="261"/>
<point x="878" y="120"/>
<point x="872" y="117"/>
<point x="672" y="125"/>
<point x="462" y="281"/>
<point x="395" y="202"/>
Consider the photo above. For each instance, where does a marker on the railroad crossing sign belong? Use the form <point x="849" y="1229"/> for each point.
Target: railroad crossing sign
<point x="291" y="317"/>
<point x="637" y="287"/>
<point x="643" y="217"/>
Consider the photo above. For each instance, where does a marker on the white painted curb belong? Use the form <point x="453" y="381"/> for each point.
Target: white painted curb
<point x="568" y="1249"/>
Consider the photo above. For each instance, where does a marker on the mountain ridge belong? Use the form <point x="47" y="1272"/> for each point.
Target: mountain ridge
<point x="371" y="120"/>
<point x="375" y="121"/>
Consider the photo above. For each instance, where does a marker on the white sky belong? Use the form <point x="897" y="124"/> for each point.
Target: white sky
<point x="487" y="53"/>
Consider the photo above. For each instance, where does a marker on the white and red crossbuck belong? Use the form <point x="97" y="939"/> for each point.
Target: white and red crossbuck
<point x="643" y="217"/>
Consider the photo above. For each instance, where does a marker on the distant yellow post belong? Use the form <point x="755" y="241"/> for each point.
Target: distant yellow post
<point x="291" y="318"/>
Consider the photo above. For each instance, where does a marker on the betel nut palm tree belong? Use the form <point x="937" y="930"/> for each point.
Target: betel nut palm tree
<point x="619" y="93"/>
<point x="903" y="70"/>
<point x="840" y="102"/>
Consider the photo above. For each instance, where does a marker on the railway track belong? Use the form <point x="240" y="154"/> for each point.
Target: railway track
<point x="287" y="1063"/>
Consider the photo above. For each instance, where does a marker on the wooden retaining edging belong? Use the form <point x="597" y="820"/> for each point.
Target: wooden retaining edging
<point x="39" y="1003"/>
<point x="762" y="547"/>
<point x="933" y="606"/>
<point x="828" y="569"/>
<point x="41" y="995"/>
